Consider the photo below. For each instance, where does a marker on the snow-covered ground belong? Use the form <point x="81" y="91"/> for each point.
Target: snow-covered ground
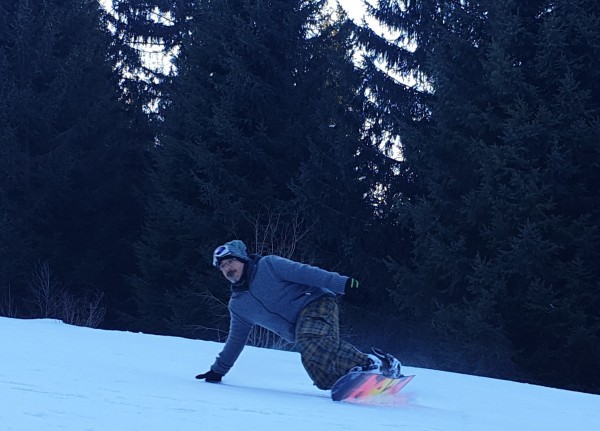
<point x="59" y="377"/>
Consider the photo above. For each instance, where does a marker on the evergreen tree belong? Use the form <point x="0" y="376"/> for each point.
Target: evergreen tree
<point x="503" y="273"/>
<point x="71" y="164"/>
<point x="326" y="182"/>
<point x="395" y="107"/>
<point x="145" y="34"/>
<point x="249" y="108"/>
<point x="339" y="182"/>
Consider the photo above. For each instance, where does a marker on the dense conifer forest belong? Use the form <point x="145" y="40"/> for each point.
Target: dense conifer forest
<point x="448" y="158"/>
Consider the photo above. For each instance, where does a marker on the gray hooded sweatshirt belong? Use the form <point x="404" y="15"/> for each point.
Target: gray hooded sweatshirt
<point x="273" y="294"/>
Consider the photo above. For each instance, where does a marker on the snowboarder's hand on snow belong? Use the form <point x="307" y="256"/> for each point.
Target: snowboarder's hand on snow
<point x="210" y="376"/>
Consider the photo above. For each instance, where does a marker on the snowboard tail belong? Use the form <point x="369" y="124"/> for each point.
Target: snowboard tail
<point x="363" y="387"/>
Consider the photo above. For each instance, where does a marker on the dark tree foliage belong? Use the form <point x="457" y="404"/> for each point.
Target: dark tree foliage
<point x="262" y="101"/>
<point x="394" y="107"/>
<point x="71" y="166"/>
<point x="340" y="182"/>
<point x="141" y="27"/>
<point x="504" y="275"/>
<point x="326" y="184"/>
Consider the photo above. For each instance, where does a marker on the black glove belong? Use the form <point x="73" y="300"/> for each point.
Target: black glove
<point x="351" y="283"/>
<point x="353" y="294"/>
<point x="210" y="376"/>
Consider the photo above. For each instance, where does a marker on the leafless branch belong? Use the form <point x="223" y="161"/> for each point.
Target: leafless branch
<point x="7" y="304"/>
<point x="51" y="300"/>
<point x="277" y="232"/>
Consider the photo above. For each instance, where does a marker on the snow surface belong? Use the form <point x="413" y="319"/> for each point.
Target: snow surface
<point x="59" y="377"/>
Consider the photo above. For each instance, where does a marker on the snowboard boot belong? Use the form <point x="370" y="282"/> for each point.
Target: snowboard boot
<point x="390" y="366"/>
<point x="375" y="366"/>
<point x="380" y="363"/>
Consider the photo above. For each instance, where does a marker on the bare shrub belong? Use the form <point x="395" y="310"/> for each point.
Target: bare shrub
<point x="262" y="337"/>
<point x="51" y="300"/>
<point x="45" y="292"/>
<point x="277" y="232"/>
<point x="7" y="303"/>
<point x="83" y="312"/>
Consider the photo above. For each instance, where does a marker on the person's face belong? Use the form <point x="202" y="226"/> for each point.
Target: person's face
<point x="232" y="269"/>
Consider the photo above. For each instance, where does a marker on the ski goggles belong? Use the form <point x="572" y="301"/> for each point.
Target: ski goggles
<point x="220" y="251"/>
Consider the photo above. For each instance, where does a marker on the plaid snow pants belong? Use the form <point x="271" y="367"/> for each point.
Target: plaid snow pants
<point x="325" y="357"/>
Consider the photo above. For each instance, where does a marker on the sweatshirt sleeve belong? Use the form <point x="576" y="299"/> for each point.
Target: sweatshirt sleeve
<point x="300" y="273"/>
<point x="236" y="340"/>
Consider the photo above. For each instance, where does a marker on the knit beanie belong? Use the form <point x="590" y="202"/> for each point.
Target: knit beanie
<point x="235" y="248"/>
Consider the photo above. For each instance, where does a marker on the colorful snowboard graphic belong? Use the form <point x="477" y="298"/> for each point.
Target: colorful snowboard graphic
<point x="365" y="387"/>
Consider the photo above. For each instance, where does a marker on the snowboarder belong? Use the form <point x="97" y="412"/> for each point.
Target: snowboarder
<point x="296" y="301"/>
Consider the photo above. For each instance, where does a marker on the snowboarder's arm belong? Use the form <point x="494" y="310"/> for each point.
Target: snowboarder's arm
<point x="306" y="274"/>
<point x="236" y="340"/>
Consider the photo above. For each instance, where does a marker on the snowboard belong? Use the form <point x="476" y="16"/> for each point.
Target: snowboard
<point x="367" y="387"/>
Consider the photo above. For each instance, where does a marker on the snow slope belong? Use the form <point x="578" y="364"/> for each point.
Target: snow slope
<point x="59" y="377"/>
